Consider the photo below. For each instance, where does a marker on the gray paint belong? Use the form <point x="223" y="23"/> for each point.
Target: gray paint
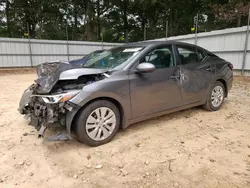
<point x="75" y="73"/>
<point x="145" y="95"/>
<point x="145" y="68"/>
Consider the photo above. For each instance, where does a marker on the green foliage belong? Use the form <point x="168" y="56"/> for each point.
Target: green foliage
<point x="116" y="20"/>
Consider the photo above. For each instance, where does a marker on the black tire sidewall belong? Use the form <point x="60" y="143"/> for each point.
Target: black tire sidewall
<point x="81" y="133"/>
<point x="209" y="100"/>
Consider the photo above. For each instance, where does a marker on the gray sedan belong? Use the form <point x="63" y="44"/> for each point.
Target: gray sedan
<point x="125" y="85"/>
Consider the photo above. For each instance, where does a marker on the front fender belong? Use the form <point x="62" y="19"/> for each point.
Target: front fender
<point x="86" y="97"/>
<point x="69" y="119"/>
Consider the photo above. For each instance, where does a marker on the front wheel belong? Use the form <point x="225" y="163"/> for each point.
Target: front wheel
<point x="216" y="97"/>
<point x="98" y="123"/>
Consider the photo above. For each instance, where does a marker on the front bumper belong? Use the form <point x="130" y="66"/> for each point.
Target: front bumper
<point x="43" y="115"/>
<point x="25" y="99"/>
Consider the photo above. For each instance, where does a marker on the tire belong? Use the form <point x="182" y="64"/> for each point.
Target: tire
<point x="210" y="106"/>
<point x="93" y="122"/>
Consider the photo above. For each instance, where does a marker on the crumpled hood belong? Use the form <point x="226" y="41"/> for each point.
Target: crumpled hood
<point x="51" y="72"/>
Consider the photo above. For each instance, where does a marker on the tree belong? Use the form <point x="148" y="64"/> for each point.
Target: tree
<point x="232" y="11"/>
<point x="116" y="20"/>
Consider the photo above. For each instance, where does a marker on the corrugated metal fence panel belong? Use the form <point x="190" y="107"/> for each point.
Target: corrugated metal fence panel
<point x="235" y="58"/>
<point x="14" y="61"/>
<point x="16" y="52"/>
<point x="17" y="48"/>
<point x="76" y="49"/>
<point x="229" y="44"/>
<point x="41" y="59"/>
<point x="80" y="48"/>
<point x="247" y="66"/>
<point x="223" y="40"/>
<point x="74" y="57"/>
<point x="40" y="48"/>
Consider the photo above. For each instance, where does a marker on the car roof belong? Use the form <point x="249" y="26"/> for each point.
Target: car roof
<point x="98" y="50"/>
<point x="156" y="43"/>
<point x="147" y="43"/>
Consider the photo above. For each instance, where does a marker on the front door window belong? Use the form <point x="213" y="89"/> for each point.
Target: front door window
<point x="160" y="57"/>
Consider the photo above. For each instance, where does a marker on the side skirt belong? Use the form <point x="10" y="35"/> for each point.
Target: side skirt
<point x="150" y="116"/>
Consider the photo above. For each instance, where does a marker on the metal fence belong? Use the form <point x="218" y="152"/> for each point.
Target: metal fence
<point x="230" y="44"/>
<point x="27" y="53"/>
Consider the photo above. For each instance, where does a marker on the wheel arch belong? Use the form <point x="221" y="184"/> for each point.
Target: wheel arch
<point x="225" y="85"/>
<point x="114" y="101"/>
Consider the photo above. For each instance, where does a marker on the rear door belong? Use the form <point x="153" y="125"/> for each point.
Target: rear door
<point x="197" y="73"/>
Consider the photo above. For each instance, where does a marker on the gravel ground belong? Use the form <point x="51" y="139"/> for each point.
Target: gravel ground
<point x="192" y="148"/>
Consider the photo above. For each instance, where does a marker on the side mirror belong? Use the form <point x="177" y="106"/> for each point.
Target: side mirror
<point x="145" y="67"/>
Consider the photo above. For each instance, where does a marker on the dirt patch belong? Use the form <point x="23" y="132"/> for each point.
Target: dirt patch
<point x="192" y="148"/>
<point x="11" y="71"/>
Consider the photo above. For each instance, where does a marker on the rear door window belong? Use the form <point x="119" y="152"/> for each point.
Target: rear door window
<point x="201" y="55"/>
<point x="190" y="55"/>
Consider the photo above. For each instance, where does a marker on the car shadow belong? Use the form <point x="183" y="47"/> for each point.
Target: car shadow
<point x="65" y="146"/>
<point x="162" y="119"/>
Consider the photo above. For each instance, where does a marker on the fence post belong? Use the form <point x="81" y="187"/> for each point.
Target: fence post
<point x="196" y="28"/>
<point x="246" y="46"/>
<point x="102" y="41"/>
<point x="30" y="51"/>
<point x="67" y="43"/>
<point x="167" y="30"/>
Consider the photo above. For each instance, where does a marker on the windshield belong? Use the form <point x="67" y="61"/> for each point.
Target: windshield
<point x="93" y="54"/>
<point x="112" y="58"/>
<point x="85" y="58"/>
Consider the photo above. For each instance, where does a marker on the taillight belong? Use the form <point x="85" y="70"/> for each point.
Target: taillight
<point x="231" y="66"/>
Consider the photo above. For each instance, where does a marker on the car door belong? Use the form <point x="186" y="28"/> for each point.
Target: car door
<point x="197" y="73"/>
<point x="156" y="91"/>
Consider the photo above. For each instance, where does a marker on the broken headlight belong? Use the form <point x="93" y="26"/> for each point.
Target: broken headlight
<point x="62" y="97"/>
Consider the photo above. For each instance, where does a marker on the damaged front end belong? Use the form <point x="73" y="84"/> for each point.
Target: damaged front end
<point x="47" y="102"/>
<point x="47" y="111"/>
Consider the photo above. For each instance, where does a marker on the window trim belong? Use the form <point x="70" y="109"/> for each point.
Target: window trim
<point x="173" y="53"/>
<point x="204" y="52"/>
<point x="196" y="48"/>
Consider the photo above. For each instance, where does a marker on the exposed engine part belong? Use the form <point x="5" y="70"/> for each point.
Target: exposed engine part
<point x="52" y="74"/>
<point x="42" y="114"/>
<point x="46" y="102"/>
<point x="41" y="131"/>
<point x="63" y="85"/>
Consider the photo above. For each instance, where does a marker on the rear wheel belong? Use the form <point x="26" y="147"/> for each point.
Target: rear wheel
<point x="216" y="97"/>
<point x="98" y="123"/>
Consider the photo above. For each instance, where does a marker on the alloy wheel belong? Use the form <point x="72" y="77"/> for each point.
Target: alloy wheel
<point x="217" y="96"/>
<point x="100" y="123"/>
